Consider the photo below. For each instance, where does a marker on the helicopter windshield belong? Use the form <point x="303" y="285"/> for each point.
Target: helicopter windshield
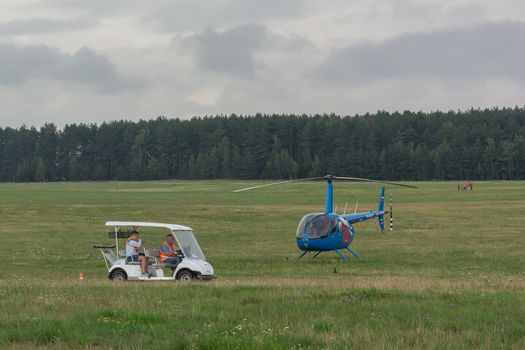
<point x="302" y="224"/>
<point x="320" y="226"/>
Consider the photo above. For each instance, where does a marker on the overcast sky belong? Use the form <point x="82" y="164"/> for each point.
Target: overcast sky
<point x="66" y="61"/>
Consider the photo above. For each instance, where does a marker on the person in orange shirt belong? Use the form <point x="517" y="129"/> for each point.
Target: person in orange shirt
<point x="168" y="251"/>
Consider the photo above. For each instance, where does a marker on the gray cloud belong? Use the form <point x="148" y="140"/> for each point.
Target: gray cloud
<point x="19" y="64"/>
<point x="254" y="57"/>
<point x="231" y="51"/>
<point x="92" y="8"/>
<point x="184" y="15"/>
<point x="234" y="51"/>
<point x="42" y="25"/>
<point x="170" y="15"/>
<point x="493" y="50"/>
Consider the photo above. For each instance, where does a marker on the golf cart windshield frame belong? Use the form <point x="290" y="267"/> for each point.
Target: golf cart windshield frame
<point x="188" y="244"/>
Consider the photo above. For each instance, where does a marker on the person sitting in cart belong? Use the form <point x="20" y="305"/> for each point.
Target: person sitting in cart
<point x="133" y="252"/>
<point x="168" y="251"/>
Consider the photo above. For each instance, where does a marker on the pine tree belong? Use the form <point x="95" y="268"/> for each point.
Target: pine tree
<point x="40" y="170"/>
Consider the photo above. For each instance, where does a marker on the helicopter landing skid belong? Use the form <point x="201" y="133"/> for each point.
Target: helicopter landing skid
<point x="344" y="257"/>
<point x="306" y="252"/>
<point x="303" y="254"/>
<point x="354" y="253"/>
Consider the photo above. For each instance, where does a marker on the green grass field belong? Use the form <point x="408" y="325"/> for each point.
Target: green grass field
<point x="450" y="276"/>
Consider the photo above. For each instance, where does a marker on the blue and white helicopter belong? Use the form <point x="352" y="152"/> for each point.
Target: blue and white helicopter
<point x="328" y="231"/>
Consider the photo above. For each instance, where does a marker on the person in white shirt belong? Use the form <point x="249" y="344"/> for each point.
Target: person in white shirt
<point x="134" y="246"/>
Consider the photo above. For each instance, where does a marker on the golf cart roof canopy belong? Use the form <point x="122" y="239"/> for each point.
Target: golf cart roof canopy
<point x="172" y="227"/>
<point x="183" y="234"/>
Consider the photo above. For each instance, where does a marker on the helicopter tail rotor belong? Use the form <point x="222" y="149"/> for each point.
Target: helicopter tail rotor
<point x="381" y="208"/>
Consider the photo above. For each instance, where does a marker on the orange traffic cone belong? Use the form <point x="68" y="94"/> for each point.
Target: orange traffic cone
<point x="81" y="276"/>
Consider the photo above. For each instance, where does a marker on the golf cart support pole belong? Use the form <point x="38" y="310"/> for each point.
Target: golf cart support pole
<point x="117" y="228"/>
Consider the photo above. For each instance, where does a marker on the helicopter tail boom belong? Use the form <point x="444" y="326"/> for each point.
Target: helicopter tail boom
<point x="379" y="213"/>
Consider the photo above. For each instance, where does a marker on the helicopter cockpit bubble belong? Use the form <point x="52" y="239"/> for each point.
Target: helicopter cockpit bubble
<point x="305" y="221"/>
<point x="320" y="226"/>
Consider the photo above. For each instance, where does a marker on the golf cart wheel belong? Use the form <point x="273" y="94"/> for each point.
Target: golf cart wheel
<point x="118" y="276"/>
<point x="185" y="276"/>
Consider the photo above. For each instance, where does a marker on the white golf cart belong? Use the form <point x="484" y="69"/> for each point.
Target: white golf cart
<point x="193" y="264"/>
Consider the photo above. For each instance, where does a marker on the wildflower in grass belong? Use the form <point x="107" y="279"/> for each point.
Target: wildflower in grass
<point x="268" y="331"/>
<point x="104" y="319"/>
<point x="237" y="328"/>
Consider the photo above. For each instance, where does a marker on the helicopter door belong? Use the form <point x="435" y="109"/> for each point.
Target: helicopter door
<point x="320" y="226"/>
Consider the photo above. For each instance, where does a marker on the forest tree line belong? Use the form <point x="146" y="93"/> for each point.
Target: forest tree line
<point x="474" y="144"/>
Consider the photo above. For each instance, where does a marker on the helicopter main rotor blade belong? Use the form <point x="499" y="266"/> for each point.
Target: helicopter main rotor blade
<point x="370" y="180"/>
<point x="278" y="183"/>
<point x="328" y="178"/>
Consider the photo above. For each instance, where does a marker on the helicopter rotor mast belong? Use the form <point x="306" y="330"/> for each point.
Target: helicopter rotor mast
<point x="329" y="204"/>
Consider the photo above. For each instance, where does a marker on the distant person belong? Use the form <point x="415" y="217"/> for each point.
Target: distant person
<point x="459" y="187"/>
<point x="134" y="246"/>
<point x="168" y="251"/>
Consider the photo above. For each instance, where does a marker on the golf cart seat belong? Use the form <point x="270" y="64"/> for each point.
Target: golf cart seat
<point x="132" y="262"/>
<point x="122" y="254"/>
<point x="155" y="254"/>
